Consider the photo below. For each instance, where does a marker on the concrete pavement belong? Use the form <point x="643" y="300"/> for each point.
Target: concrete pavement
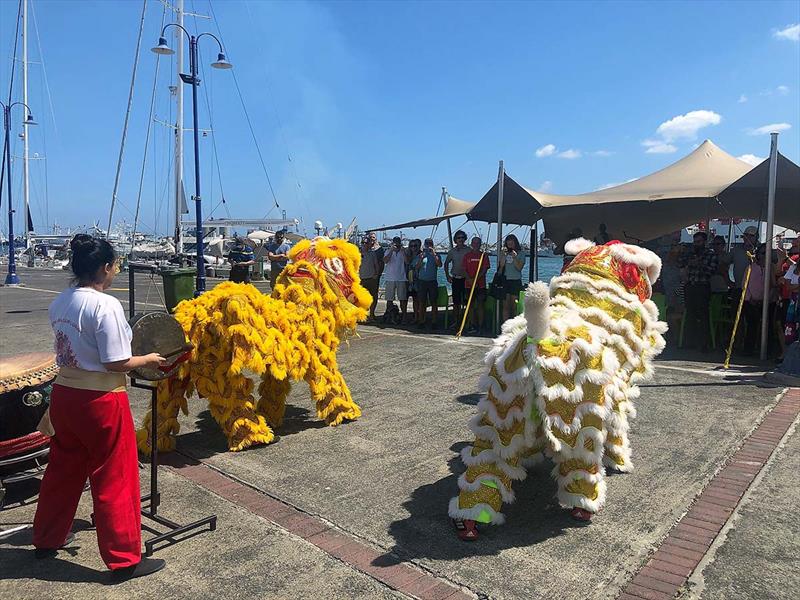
<point x="386" y="480"/>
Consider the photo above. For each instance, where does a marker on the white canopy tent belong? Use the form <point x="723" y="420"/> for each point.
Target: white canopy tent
<point x="453" y="208"/>
<point x="685" y="192"/>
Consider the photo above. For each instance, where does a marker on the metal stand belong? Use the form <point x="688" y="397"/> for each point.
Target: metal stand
<point x="176" y="531"/>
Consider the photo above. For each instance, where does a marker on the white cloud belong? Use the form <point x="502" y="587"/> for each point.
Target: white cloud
<point x="790" y="32"/>
<point x="658" y="147"/>
<point x="545" y="187"/>
<point x="570" y="154"/>
<point x="782" y="90"/>
<point x="742" y="99"/>
<point x="547" y="150"/>
<point x="602" y="153"/>
<point x="751" y="159"/>
<point x="686" y="126"/>
<point x="769" y="128"/>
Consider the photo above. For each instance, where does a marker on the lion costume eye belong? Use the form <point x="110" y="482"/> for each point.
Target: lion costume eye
<point x="334" y="265"/>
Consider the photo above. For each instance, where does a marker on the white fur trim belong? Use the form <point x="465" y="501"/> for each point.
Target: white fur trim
<point x="537" y="313"/>
<point x="488" y="457"/>
<point x="472" y="513"/>
<point x="643" y="258"/>
<point x="576" y="246"/>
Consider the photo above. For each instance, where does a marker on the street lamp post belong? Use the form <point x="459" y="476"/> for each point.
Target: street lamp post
<point x="11" y="276"/>
<point x="193" y="80"/>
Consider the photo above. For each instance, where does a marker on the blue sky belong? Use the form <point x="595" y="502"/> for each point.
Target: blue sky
<point x="381" y="104"/>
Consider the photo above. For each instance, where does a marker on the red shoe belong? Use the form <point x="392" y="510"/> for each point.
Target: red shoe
<point x="467" y="529"/>
<point x="579" y="514"/>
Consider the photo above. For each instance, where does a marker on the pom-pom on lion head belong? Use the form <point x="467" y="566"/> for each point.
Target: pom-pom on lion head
<point x="634" y="267"/>
<point x="337" y="260"/>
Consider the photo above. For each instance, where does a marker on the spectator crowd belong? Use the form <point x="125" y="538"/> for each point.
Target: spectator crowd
<point x="703" y="284"/>
<point x="412" y="272"/>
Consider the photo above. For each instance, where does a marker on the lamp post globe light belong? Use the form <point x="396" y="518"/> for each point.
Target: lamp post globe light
<point x="11" y="276"/>
<point x="193" y="80"/>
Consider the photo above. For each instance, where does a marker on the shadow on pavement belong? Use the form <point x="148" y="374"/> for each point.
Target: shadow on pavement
<point x="428" y="532"/>
<point x="20" y="564"/>
<point x="470" y="399"/>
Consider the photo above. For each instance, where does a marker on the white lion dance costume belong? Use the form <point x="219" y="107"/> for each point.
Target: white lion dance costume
<point x="560" y="380"/>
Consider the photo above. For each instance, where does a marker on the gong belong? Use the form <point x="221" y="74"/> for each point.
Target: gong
<point x="158" y="332"/>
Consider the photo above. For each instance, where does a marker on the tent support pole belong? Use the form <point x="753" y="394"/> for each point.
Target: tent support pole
<point x="730" y="235"/>
<point x="533" y="270"/>
<point x="773" y="175"/>
<point x="449" y="234"/>
<point x="501" y="175"/>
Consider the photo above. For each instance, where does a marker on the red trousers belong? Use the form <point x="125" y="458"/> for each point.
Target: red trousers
<point x="94" y="439"/>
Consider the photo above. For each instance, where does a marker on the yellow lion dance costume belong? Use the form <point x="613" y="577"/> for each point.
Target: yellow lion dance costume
<point x="291" y="335"/>
<point x="560" y="380"/>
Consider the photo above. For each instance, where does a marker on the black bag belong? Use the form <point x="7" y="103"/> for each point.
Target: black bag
<point x="497" y="289"/>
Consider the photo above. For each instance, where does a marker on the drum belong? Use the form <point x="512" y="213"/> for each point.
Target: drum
<point x="158" y="332"/>
<point x="25" y="381"/>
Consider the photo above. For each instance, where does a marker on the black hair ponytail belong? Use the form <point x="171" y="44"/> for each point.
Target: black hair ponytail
<point x="89" y="254"/>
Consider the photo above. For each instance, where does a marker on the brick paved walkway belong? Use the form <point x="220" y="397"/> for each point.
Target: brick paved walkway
<point x="347" y="548"/>
<point x="690" y="539"/>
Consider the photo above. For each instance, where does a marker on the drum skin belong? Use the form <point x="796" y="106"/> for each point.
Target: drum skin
<point x="25" y="381"/>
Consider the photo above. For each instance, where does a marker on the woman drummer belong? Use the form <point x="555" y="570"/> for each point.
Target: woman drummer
<point x="89" y="410"/>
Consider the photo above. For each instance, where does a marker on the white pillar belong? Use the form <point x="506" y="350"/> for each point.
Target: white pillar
<point x="773" y="176"/>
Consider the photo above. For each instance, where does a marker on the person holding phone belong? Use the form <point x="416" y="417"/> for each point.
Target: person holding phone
<point x="89" y="410"/>
<point x="511" y="263"/>
<point x="427" y="266"/>
<point x="396" y="260"/>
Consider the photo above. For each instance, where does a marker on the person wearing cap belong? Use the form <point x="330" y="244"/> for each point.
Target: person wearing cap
<point x="241" y="259"/>
<point x="457" y="276"/>
<point x="278" y="255"/>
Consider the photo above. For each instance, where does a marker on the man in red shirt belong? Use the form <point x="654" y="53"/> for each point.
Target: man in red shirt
<point x="476" y="263"/>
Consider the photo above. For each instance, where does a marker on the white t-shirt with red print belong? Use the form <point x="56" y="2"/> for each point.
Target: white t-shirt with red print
<point x="90" y="329"/>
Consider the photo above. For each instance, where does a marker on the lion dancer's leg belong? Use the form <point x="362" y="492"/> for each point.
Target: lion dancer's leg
<point x="617" y="455"/>
<point x="497" y="458"/>
<point x="272" y="395"/>
<point x="330" y="392"/>
<point x="232" y="405"/>
<point x="170" y="398"/>
<point x="578" y="453"/>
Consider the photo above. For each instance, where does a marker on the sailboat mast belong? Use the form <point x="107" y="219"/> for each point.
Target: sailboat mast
<point x="179" y="135"/>
<point x="25" y="174"/>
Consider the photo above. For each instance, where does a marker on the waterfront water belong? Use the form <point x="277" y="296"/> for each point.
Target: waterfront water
<point x="549" y="267"/>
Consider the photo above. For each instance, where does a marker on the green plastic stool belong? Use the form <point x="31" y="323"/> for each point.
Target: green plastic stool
<point x="660" y="300"/>
<point x="716" y="308"/>
<point x="443" y="300"/>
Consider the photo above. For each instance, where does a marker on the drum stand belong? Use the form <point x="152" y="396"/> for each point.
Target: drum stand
<point x="175" y="531"/>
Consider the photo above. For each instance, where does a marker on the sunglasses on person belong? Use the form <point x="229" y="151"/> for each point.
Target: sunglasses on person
<point x="459" y="237"/>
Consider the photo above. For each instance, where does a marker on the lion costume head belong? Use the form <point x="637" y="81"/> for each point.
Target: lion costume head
<point x="329" y="267"/>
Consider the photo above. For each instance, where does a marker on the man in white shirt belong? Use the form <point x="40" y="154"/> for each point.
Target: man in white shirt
<point x="396" y="272"/>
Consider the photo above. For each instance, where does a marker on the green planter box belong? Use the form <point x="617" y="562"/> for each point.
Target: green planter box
<point x="178" y="285"/>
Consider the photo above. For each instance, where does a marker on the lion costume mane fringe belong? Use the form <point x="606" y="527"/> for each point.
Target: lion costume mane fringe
<point x="560" y="381"/>
<point x="291" y="335"/>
